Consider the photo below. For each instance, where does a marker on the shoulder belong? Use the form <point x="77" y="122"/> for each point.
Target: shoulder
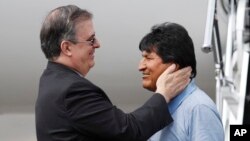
<point x="199" y="98"/>
<point x="62" y="84"/>
<point x="65" y="78"/>
<point x="198" y="103"/>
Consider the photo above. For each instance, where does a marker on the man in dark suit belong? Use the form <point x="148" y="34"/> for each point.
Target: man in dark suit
<point x="71" y="108"/>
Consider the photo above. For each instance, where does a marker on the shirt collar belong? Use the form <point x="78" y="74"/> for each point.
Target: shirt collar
<point x="78" y="73"/>
<point x="175" y="103"/>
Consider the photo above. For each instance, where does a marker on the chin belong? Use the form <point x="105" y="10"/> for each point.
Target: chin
<point x="92" y="64"/>
<point x="149" y="88"/>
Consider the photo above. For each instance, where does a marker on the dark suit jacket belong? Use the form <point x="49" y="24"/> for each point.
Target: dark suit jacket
<point x="71" y="108"/>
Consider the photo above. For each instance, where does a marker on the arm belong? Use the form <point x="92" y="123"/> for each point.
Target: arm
<point x="91" y="113"/>
<point x="205" y="125"/>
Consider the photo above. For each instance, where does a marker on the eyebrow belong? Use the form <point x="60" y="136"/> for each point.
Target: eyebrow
<point x="147" y="56"/>
<point x="91" y="37"/>
<point x="144" y="54"/>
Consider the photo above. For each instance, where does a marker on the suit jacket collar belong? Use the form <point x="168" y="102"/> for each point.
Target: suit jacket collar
<point x="60" y="67"/>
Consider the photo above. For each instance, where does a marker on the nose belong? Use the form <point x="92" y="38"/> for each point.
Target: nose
<point x="142" y="65"/>
<point x="97" y="44"/>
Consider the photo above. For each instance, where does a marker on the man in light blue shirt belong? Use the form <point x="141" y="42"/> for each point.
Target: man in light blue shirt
<point x="195" y="115"/>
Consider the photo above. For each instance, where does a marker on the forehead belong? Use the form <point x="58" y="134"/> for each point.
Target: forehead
<point x="152" y="53"/>
<point x="84" y="28"/>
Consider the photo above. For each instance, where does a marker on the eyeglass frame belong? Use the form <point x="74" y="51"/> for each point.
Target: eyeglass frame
<point x="91" y="42"/>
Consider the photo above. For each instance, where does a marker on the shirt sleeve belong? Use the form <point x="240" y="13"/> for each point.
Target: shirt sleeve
<point x="205" y="124"/>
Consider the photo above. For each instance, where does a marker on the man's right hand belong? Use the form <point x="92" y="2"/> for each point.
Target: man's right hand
<point x="171" y="82"/>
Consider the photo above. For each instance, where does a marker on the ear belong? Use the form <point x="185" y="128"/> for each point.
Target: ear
<point x="66" y="48"/>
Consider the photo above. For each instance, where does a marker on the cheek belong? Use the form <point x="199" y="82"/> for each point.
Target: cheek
<point x="149" y="84"/>
<point x="153" y="80"/>
<point x="84" y="54"/>
<point x="159" y="69"/>
<point x="157" y="72"/>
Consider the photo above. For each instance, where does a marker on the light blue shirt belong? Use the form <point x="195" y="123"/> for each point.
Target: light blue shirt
<point x="195" y="118"/>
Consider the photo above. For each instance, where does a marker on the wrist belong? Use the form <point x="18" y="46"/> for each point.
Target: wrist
<point x="164" y="95"/>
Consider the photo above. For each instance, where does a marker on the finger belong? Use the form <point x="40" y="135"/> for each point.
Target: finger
<point x="184" y="71"/>
<point x="181" y="78"/>
<point x="180" y="86"/>
<point x="170" y="69"/>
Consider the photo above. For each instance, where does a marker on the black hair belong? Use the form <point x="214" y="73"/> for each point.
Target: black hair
<point x="172" y="43"/>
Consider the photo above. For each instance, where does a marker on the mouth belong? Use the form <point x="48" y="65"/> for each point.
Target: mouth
<point x="91" y="54"/>
<point x="145" y="75"/>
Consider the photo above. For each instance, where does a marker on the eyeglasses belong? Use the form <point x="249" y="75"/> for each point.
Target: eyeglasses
<point x="91" y="42"/>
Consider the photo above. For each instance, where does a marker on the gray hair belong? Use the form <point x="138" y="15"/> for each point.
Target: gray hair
<point x="59" y="25"/>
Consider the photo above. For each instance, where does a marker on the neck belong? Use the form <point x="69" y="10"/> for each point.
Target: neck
<point x="67" y="62"/>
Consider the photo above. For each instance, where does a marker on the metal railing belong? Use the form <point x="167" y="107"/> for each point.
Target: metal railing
<point x="231" y="66"/>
